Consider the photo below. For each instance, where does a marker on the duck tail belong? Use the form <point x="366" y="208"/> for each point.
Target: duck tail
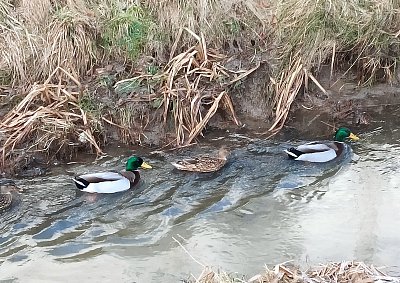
<point x="177" y="165"/>
<point x="293" y="153"/>
<point x="81" y="183"/>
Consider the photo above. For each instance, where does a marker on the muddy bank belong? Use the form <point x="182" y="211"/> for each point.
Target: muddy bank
<point x="311" y="117"/>
<point x="56" y="122"/>
<point x="343" y="103"/>
<point x="163" y="74"/>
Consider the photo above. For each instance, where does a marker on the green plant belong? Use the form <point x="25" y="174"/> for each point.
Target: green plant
<point x="233" y="26"/>
<point x="89" y="104"/>
<point x="152" y="70"/>
<point x="127" y="86"/>
<point x="127" y="30"/>
<point x="5" y="78"/>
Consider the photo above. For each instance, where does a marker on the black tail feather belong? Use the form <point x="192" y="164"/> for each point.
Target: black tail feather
<point x="295" y="153"/>
<point x="81" y="183"/>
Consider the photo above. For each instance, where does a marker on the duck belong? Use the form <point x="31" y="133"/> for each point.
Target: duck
<point x="203" y="163"/>
<point x="112" y="182"/>
<point x="322" y="151"/>
<point x="7" y="187"/>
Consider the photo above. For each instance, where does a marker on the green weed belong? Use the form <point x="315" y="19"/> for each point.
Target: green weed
<point x="127" y="31"/>
<point x="233" y="26"/>
<point x="90" y="104"/>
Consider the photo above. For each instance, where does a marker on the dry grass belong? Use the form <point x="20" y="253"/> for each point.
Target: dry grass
<point x="70" y="41"/>
<point x="48" y="119"/>
<point x="220" y="20"/>
<point x="38" y="36"/>
<point x="192" y="87"/>
<point x="332" y="272"/>
<point x="338" y="272"/>
<point x="16" y="46"/>
<point x="361" y="36"/>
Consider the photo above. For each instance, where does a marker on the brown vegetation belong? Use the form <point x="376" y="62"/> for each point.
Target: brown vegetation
<point x="193" y="85"/>
<point x="338" y="272"/>
<point x="49" y="119"/>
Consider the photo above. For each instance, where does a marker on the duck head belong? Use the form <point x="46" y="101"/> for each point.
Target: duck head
<point x="343" y="133"/>
<point x="135" y="163"/>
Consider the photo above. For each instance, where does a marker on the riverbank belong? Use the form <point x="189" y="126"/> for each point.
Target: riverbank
<point x="76" y="76"/>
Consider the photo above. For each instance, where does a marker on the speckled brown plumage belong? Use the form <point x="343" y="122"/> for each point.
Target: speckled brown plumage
<point x="6" y="197"/>
<point x="5" y="201"/>
<point x="203" y="163"/>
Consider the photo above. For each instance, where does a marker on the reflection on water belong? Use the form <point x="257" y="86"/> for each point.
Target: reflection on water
<point x="261" y="208"/>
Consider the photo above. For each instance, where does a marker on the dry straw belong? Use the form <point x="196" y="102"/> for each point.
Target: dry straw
<point x="48" y="119"/>
<point x="302" y="35"/>
<point x="193" y="86"/>
<point x="361" y="37"/>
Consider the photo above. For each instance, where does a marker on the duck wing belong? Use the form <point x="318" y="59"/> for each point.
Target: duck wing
<point x="200" y="164"/>
<point x="314" y="147"/>
<point x="104" y="182"/>
<point x="319" y="156"/>
<point x="102" y="176"/>
<point x="314" y="152"/>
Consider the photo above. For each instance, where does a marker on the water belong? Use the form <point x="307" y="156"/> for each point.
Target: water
<point x="261" y="208"/>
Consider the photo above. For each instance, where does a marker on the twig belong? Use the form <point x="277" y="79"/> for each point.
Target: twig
<point x="186" y="251"/>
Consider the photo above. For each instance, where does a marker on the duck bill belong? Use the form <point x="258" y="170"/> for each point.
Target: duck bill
<point x="353" y="137"/>
<point x="145" y="166"/>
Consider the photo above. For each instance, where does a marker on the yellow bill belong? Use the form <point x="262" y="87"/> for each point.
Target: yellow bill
<point x="353" y="137"/>
<point x="145" y="166"/>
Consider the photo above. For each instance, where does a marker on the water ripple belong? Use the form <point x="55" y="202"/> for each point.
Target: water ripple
<point x="259" y="184"/>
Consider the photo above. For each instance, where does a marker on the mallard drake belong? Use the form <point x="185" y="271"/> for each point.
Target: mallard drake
<point x="203" y="163"/>
<point x="6" y="196"/>
<point x="322" y="151"/>
<point x="112" y="182"/>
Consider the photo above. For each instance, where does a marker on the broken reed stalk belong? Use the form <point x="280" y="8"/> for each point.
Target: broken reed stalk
<point x="49" y="115"/>
<point x="193" y="86"/>
<point x="286" y="90"/>
<point x="338" y="272"/>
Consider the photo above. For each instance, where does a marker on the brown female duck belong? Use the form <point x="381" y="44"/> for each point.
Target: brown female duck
<point x="7" y="188"/>
<point x="203" y="163"/>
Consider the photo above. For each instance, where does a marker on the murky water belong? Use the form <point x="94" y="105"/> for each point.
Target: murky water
<point x="260" y="209"/>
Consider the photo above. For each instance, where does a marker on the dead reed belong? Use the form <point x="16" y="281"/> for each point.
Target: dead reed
<point x="359" y="37"/>
<point x="48" y="119"/>
<point x="332" y="272"/>
<point x="337" y="272"/>
<point x="192" y="87"/>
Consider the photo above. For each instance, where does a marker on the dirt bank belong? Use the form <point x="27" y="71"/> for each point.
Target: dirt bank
<point x="344" y="103"/>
